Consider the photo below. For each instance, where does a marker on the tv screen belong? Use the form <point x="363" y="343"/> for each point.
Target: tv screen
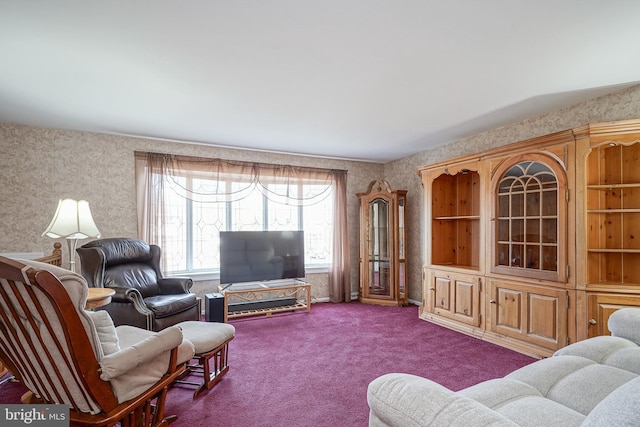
<point x="258" y="256"/>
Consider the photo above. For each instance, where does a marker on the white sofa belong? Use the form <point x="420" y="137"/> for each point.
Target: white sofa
<point x="595" y="382"/>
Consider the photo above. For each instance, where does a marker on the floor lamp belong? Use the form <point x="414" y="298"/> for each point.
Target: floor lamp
<point x="73" y="221"/>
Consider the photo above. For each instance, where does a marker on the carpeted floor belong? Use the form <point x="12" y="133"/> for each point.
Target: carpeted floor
<point x="312" y="369"/>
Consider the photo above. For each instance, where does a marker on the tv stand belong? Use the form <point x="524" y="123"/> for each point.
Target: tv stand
<point x="251" y="299"/>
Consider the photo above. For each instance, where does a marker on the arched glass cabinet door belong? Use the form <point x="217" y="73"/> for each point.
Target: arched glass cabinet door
<point x="530" y="218"/>
<point x="379" y="247"/>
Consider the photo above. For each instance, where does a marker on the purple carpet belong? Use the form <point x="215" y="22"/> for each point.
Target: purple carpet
<point x="312" y="369"/>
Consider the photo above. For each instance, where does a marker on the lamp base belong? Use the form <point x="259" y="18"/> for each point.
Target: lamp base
<point x="72" y="244"/>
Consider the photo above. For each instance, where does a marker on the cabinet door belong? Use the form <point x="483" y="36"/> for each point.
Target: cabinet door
<point x="455" y="296"/>
<point x="522" y="311"/>
<point x="601" y="306"/>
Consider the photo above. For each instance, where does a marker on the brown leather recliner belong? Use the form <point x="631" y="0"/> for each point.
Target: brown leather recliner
<point x="143" y="298"/>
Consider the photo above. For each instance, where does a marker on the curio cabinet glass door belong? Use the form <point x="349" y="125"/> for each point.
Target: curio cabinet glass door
<point x="382" y="245"/>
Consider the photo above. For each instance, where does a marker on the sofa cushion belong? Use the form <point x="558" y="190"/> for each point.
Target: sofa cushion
<point x="612" y="351"/>
<point x="522" y="403"/>
<point x="555" y="391"/>
<point x="408" y="400"/>
<point x="575" y="382"/>
<point x="620" y="408"/>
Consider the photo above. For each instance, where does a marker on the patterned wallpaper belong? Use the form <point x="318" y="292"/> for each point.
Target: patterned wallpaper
<point x="40" y="166"/>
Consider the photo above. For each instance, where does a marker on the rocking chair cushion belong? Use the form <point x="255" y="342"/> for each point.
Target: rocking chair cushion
<point x="129" y="358"/>
<point x="106" y="331"/>
<point x="77" y="288"/>
<point x="132" y="381"/>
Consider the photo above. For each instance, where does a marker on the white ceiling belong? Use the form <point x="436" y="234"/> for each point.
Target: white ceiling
<point x="372" y="80"/>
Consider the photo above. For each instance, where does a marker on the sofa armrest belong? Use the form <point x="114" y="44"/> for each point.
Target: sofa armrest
<point x="175" y="285"/>
<point x="136" y="356"/>
<point x="625" y="323"/>
<point x="408" y="400"/>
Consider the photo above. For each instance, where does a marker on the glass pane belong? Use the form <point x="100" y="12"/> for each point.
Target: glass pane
<point x="503" y="206"/>
<point x="317" y="222"/>
<point x="550" y="230"/>
<point x="533" y="203"/>
<point x="174" y="253"/>
<point x="503" y="230"/>
<point x="517" y="230"/>
<point x="208" y="219"/>
<point x="282" y="216"/>
<point x="379" y="274"/>
<point x="532" y="257"/>
<point x="516" y="255"/>
<point x="401" y="237"/>
<point x="401" y="278"/>
<point x="549" y="258"/>
<point x="379" y="229"/>
<point x="517" y="204"/>
<point x="503" y="255"/>
<point x="247" y="214"/>
<point x="550" y="203"/>
<point x="533" y="230"/>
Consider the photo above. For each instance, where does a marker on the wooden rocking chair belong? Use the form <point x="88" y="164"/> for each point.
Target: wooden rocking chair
<point x="66" y="355"/>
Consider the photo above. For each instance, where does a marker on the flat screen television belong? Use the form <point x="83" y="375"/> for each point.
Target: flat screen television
<point x="258" y="256"/>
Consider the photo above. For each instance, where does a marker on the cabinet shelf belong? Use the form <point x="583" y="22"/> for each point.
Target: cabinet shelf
<point x="614" y="251"/>
<point x="605" y="187"/>
<point x="610" y="211"/>
<point x="455" y="218"/>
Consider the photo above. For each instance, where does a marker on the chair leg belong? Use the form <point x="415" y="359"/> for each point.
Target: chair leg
<point x="211" y="375"/>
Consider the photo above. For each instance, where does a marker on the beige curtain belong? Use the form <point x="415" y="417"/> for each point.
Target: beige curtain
<point x="156" y="171"/>
<point x="339" y="276"/>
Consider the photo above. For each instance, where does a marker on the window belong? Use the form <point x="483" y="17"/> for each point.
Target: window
<point x="195" y="205"/>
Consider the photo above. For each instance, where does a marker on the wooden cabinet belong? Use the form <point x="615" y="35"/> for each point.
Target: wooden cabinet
<point x="497" y="242"/>
<point x="543" y="235"/>
<point x="455" y="296"/>
<point x="610" y="222"/>
<point x="600" y="306"/>
<point x="382" y="245"/>
<point x="532" y="316"/>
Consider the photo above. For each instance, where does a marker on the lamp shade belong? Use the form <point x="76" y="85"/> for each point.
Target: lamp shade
<point x="72" y="220"/>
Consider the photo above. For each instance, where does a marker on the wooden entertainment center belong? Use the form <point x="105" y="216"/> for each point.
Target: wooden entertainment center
<point x="266" y="298"/>
<point x="533" y="245"/>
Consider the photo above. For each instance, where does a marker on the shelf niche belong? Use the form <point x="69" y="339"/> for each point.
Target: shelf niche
<point x="613" y="214"/>
<point x="455" y="224"/>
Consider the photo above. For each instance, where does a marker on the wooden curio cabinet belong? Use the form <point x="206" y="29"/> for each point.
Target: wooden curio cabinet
<point x="382" y="245"/>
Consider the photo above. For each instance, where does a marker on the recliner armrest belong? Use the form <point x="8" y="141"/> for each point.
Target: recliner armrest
<point x="135" y="356"/>
<point x="175" y="285"/>
<point x="120" y="295"/>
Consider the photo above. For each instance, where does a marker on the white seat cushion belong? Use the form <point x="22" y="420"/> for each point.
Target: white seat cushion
<point x="206" y="336"/>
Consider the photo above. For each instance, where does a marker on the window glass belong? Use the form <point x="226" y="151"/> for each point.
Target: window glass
<point x="192" y="227"/>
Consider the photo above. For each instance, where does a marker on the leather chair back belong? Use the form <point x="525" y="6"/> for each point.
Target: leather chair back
<point x="126" y="263"/>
